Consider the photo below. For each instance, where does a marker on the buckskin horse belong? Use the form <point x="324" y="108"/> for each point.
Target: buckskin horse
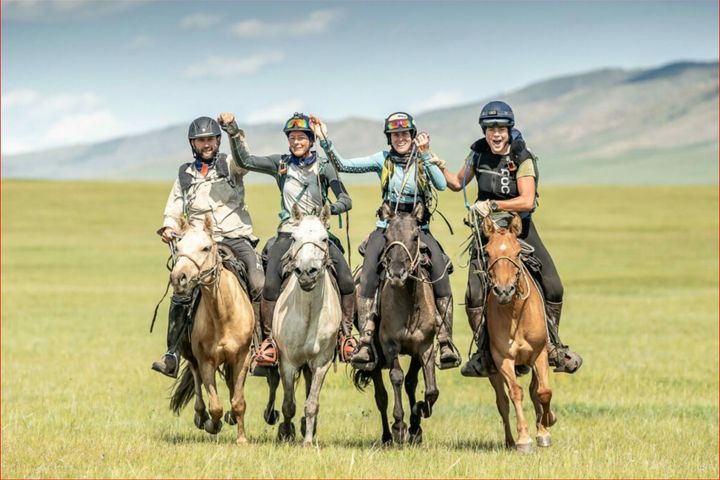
<point x="408" y="326"/>
<point x="517" y="332"/>
<point x="221" y="331"/>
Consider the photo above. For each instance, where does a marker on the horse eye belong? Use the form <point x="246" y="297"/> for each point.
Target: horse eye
<point x="207" y="249"/>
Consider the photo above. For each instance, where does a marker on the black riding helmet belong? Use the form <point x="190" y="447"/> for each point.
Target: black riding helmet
<point x="399" y="122"/>
<point x="497" y="114"/>
<point x="203" y="127"/>
<point x="299" y="122"/>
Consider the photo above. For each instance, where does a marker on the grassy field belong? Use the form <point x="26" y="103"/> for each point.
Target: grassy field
<point x="82" y="270"/>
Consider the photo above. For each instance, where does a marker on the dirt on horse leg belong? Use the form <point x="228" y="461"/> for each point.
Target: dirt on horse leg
<point x="399" y="428"/>
<point x="214" y="423"/>
<point x="201" y="414"/>
<point x="238" y="394"/>
<point x="381" y="401"/>
<point x="286" y="430"/>
<point x="507" y="369"/>
<point x="503" y="406"/>
<point x="312" y="402"/>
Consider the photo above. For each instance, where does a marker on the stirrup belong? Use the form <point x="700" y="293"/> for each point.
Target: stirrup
<point x="346" y="347"/>
<point x="161" y="366"/>
<point x="564" y="360"/>
<point x="475" y="367"/>
<point x="366" y="365"/>
<point x="266" y="354"/>
<point x="449" y="362"/>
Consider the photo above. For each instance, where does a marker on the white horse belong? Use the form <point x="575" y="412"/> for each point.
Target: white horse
<point x="307" y="320"/>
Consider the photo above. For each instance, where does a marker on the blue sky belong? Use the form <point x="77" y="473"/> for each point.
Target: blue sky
<point x="79" y="71"/>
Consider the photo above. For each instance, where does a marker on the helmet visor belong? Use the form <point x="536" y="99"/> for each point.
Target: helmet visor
<point x="297" y="123"/>
<point x="496" y="122"/>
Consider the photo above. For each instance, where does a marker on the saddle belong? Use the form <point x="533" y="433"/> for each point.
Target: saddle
<point x="231" y="263"/>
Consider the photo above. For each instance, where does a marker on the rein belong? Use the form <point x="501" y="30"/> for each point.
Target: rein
<point x="520" y="271"/>
<point x="211" y="273"/>
<point x="414" y="261"/>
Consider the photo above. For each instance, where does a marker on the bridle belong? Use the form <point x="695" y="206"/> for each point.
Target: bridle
<point x="414" y="259"/>
<point x="323" y="248"/>
<point x="205" y="277"/>
<point x="519" y="270"/>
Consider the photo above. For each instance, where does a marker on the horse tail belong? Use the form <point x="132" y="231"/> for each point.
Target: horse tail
<point x="361" y="379"/>
<point x="183" y="391"/>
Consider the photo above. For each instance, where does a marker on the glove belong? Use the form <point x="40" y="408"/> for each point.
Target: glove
<point x="435" y="160"/>
<point x="482" y="208"/>
<point x="227" y="123"/>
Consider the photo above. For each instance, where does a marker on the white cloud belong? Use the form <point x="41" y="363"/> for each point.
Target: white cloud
<point x="198" y="20"/>
<point x="11" y="146"/>
<point x="217" y="66"/>
<point x="439" y="100"/>
<point x="84" y="127"/>
<point x="277" y="112"/>
<point x="317" y="22"/>
<point x="62" y="10"/>
<point x="140" y="42"/>
<point x="18" y="98"/>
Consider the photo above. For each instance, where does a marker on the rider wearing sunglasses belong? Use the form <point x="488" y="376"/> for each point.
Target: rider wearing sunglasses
<point x="398" y="168"/>
<point x="303" y="179"/>
<point x="507" y="175"/>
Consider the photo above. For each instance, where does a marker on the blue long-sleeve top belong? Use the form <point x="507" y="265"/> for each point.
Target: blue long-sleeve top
<point x="399" y="178"/>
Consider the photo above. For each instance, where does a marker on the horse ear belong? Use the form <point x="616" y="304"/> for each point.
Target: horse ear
<point x="325" y="216"/>
<point x="419" y="212"/>
<point x="387" y="212"/>
<point x="208" y="224"/>
<point x="296" y="213"/>
<point x="516" y="224"/>
<point x="488" y="226"/>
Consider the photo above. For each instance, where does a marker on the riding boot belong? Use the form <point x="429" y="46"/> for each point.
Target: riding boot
<point x="178" y="315"/>
<point x="265" y="356"/>
<point x="364" y="358"/>
<point x="481" y="363"/>
<point x="449" y="354"/>
<point x="346" y="343"/>
<point x="559" y="355"/>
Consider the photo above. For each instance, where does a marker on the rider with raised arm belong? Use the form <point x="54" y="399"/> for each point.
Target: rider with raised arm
<point x="507" y="176"/>
<point x="208" y="185"/>
<point x="303" y="179"/>
<point x="401" y="190"/>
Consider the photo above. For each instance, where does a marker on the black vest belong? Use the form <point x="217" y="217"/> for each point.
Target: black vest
<point x="496" y="174"/>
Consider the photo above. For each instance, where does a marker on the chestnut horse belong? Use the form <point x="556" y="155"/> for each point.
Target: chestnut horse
<point x="221" y="331"/>
<point x="518" y="335"/>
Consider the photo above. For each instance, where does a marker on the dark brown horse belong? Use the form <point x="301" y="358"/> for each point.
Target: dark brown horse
<point x="407" y="327"/>
<point x="518" y="335"/>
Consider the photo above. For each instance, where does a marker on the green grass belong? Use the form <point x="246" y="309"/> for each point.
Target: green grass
<point x="82" y="270"/>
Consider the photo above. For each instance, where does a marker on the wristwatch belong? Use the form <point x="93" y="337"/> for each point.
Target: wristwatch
<point x="493" y="206"/>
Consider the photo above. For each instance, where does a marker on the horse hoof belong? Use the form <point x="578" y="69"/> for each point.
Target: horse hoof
<point x="524" y="447"/>
<point x="543" y="440"/>
<point x="416" y="438"/>
<point x="422" y="409"/>
<point x="212" y="428"/>
<point x="386" y="439"/>
<point x="230" y="418"/>
<point x="271" y="416"/>
<point x="241" y="441"/>
<point x="400" y="434"/>
<point x="286" y="432"/>
<point x="200" y="419"/>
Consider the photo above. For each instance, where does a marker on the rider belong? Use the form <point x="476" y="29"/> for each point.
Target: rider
<point x="401" y="190"/>
<point x="507" y="174"/>
<point x="303" y="179"/>
<point x="208" y="185"/>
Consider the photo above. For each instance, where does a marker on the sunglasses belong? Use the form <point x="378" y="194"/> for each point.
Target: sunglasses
<point x="297" y="123"/>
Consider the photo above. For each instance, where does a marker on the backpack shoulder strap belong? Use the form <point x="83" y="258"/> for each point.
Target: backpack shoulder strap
<point x="184" y="178"/>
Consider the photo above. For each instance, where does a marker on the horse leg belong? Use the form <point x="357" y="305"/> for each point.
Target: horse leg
<point x="308" y="377"/>
<point x="503" y="406"/>
<point x="230" y="373"/>
<point x="381" y="401"/>
<point x="286" y="430"/>
<point x="207" y="373"/>
<point x="507" y="369"/>
<point x="201" y="414"/>
<point x="312" y="403"/>
<point x="541" y="394"/>
<point x="238" y="394"/>
<point x="411" y="382"/>
<point x="271" y="415"/>
<point x="399" y="428"/>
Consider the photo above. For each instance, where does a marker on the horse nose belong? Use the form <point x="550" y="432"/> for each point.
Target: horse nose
<point x="497" y="291"/>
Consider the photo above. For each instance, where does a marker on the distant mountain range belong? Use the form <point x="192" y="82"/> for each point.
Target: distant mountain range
<point x="644" y="126"/>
